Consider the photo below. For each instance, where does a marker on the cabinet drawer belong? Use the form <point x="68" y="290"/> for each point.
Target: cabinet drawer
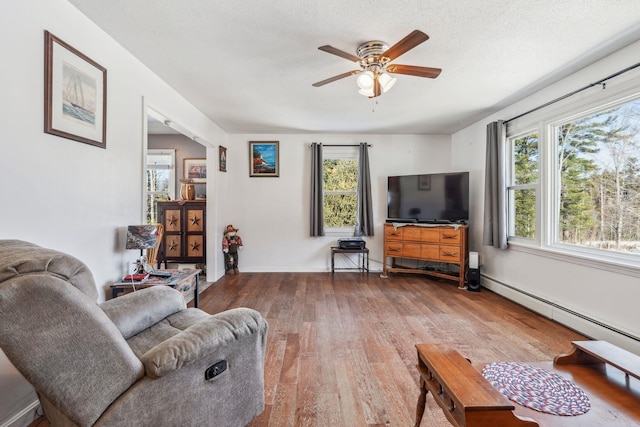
<point x="391" y="233"/>
<point x="450" y="253"/>
<point x="450" y="237"/>
<point x="411" y="233"/>
<point x="411" y="250"/>
<point x="393" y="249"/>
<point x="430" y="235"/>
<point x="430" y="252"/>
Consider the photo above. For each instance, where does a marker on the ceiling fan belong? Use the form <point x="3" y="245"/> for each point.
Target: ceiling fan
<point x="374" y="58"/>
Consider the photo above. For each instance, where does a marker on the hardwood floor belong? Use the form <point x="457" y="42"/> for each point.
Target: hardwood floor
<point x="341" y="348"/>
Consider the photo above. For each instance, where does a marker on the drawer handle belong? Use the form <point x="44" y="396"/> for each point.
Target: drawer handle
<point x="394" y="250"/>
<point x="446" y="253"/>
<point x="449" y="236"/>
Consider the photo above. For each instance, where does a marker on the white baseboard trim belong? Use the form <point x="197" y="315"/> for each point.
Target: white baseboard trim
<point x="580" y="323"/>
<point x="25" y="417"/>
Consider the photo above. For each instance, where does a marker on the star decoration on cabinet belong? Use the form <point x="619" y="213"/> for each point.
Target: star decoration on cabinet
<point x="173" y="220"/>
<point x="195" y="246"/>
<point x="195" y="220"/>
<point x="172" y="246"/>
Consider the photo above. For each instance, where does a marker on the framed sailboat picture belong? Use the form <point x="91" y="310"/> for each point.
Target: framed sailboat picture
<point x="75" y="94"/>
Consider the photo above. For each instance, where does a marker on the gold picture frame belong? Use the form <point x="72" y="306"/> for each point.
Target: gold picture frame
<point x="264" y="159"/>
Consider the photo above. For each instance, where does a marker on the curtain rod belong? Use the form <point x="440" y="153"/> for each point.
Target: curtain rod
<point x="343" y="145"/>
<point x="599" y="82"/>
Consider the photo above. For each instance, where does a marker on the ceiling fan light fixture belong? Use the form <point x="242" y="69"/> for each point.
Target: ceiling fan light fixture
<point x="365" y="81"/>
<point x="366" y="92"/>
<point x="386" y="81"/>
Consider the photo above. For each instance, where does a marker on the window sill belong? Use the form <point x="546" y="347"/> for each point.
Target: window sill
<point x="613" y="263"/>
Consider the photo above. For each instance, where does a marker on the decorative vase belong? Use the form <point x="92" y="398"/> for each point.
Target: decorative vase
<point x="187" y="191"/>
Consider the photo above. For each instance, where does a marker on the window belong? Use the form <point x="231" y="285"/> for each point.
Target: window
<point x="161" y="166"/>
<point x="598" y="190"/>
<point x="340" y="179"/>
<point x="573" y="183"/>
<point x="523" y="178"/>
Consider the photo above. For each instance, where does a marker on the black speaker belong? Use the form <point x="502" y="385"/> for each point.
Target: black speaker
<point x="473" y="279"/>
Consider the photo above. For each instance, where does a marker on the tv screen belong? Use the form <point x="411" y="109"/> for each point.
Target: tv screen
<point x="439" y="197"/>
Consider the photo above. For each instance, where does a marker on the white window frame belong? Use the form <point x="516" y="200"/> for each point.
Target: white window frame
<point x="544" y="122"/>
<point x="172" y="173"/>
<point x="512" y="187"/>
<point x="345" y="152"/>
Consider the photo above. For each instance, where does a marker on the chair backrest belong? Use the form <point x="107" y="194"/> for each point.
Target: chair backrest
<point x="57" y="336"/>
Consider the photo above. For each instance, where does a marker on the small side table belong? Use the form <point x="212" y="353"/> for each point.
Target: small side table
<point x="364" y="267"/>
<point x="185" y="281"/>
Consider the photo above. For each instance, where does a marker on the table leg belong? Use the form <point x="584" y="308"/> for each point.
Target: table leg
<point x="196" y="292"/>
<point x="332" y="262"/>
<point x="422" y="400"/>
<point x="367" y="254"/>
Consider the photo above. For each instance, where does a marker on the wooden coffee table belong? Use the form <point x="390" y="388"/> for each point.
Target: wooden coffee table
<point x="185" y="281"/>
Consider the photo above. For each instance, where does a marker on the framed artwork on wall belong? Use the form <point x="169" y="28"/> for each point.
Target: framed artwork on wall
<point x="195" y="170"/>
<point x="222" y="161"/>
<point x="75" y="94"/>
<point x="264" y="159"/>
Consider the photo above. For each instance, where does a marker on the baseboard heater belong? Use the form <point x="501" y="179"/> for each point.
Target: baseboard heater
<point x="564" y="309"/>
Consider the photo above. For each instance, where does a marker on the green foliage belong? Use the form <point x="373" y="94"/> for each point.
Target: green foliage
<point x="526" y="161"/>
<point x="598" y="170"/>
<point x="340" y="185"/>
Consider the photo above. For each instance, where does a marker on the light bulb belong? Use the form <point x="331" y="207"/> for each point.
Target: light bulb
<point x="386" y="81"/>
<point x="365" y="80"/>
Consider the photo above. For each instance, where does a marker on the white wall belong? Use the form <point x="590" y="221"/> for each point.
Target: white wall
<point x="604" y="296"/>
<point x="60" y="193"/>
<point x="273" y="213"/>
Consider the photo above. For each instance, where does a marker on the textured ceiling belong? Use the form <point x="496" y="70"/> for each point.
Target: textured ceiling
<point x="249" y="65"/>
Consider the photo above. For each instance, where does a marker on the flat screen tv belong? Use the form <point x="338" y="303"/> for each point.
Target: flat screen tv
<point x="429" y="198"/>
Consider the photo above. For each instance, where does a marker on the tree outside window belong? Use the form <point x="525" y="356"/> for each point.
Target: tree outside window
<point x="340" y="192"/>
<point x="598" y="189"/>
<point x="524" y="177"/>
<point x="160" y="180"/>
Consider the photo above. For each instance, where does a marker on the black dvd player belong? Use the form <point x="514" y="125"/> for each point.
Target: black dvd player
<point x="352" y="243"/>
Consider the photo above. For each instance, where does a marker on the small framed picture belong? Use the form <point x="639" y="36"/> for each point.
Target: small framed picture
<point x="222" y="161"/>
<point x="195" y="170"/>
<point x="264" y="159"/>
<point x="424" y="182"/>
<point x="75" y="94"/>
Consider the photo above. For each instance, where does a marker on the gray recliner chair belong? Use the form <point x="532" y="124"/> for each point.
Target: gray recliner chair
<point x="142" y="359"/>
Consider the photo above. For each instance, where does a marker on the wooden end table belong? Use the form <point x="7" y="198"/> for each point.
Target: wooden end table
<point x="361" y="266"/>
<point x="185" y="281"/>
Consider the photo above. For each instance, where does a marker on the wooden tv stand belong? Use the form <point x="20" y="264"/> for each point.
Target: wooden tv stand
<point x="426" y="242"/>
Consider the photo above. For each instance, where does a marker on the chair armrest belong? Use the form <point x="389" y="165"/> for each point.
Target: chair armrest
<point x="202" y="339"/>
<point x="137" y="311"/>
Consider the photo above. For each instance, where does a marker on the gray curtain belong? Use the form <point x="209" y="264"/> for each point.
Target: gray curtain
<point x="495" y="206"/>
<point x="364" y="214"/>
<point x="317" y="219"/>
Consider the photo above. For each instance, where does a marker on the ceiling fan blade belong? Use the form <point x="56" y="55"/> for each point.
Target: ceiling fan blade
<point x="412" y="70"/>
<point x="409" y="42"/>
<point x="338" y="77"/>
<point x="340" y="53"/>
